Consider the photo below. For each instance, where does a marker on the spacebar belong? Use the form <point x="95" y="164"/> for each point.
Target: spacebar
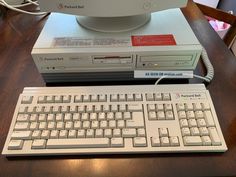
<point x="77" y="143"/>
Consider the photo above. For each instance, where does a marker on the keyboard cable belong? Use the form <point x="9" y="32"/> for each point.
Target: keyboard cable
<point x="16" y="7"/>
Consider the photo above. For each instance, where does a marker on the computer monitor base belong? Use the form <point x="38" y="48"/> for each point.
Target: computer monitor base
<point x="113" y="24"/>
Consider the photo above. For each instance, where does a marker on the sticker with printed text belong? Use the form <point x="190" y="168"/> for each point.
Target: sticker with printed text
<point x="153" y="40"/>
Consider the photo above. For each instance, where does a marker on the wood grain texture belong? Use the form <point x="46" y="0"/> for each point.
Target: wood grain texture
<point x="18" y="34"/>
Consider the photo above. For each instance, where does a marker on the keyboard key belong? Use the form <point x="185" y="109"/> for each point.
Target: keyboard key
<point x="26" y="99"/>
<point x="138" y="97"/>
<point x="160" y="107"/>
<point x="151" y="107"/>
<point x="78" y="143"/>
<point x="205" y="106"/>
<point x="22" y="109"/>
<point x="185" y="131"/>
<point x="34" y="125"/>
<point x="214" y="136"/>
<point x="102" y="97"/>
<point x="209" y="119"/>
<point x="141" y="132"/>
<point x="197" y="106"/>
<point x="166" y="96"/>
<point x="127" y="115"/>
<point x="180" y="106"/>
<point x="66" y="99"/>
<point x="128" y="132"/>
<point x="161" y="115"/>
<point x="165" y="141"/>
<point x="15" y="144"/>
<point x="45" y="134"/>
<point x="94" y="98"/>
<point x="199" y="114"/>
<point x="58" y="99"/>
<point x="24" y="135"/>
<point x="78" y="98"/>
<point x="169" y="115"/>
<point x="120" y="123"/>
<point x="203" y="131"/>
<point x="194" y="131"/>
<point x="72" y="134"/>
<point x="168" y="107"/>
<point x="192" y="141"/>
<point x="206" y="141"/>
<point x="23" y="117"/>
<point x="152" y="115"/>
<point x="114" y="97"/>
<point x="41" y="99"/>
<point x="21" y="126"/>
<point x="135" y="107"/>
<point x="38" y="144"/>
<point x="149" y="97"/>
<point x="139" y="142"/>
<point x="155" y="141"/>
<point x="189" y="106"/>
<point x="94" y="124"/>
<point x="136" y="121"/>
<point x="81" y="133"/>
<point x="190" y="115"/>
<point x="201" y="123"/>
<point x="174" y="141"/>
<point x="117" y="132"/>
<point x="158" y="96"/>
<point x="183" y="123"/>
<point x="130" y="97"/>
<point x="90" y="133"/>
<point x="108" y="133"/>
<point x="63" y="134"/>
<point x="49" y="99"/>
<point x="163" y="132"/>
<point x="117" y="142"/>
<point x="54" y="134"/>
<point x="192" y="123"/>
<point x="36" y="134"/>
<point x="99" y="133"/>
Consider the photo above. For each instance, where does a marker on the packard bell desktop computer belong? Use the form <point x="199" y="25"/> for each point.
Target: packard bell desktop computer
<point x="115" y="119"/>
<point x="70" y="50"/>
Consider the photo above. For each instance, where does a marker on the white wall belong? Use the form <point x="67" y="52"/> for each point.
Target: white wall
<point x="211" y="3"/>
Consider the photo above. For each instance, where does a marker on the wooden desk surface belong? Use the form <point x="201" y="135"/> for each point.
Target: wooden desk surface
<point x="19" y="32"/>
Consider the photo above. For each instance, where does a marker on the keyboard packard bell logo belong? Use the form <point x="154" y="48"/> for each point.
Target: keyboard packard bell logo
<point x="190" y="96"/>
<point x="65" y="6"/>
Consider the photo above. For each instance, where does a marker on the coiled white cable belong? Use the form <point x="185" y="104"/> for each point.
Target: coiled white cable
<point x="16" y="7"/>
<point x="208" y="65"/>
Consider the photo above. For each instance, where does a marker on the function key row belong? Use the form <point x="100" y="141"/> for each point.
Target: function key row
<point x="83" y="98"/>
<point x="69" y="98"/>
<point x="96" y="98"/>
<point x="158" y="97"/>
<point x="192" y="106"/>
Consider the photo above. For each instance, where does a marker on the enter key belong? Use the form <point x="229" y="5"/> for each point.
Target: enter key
<point x="137" y="120"/>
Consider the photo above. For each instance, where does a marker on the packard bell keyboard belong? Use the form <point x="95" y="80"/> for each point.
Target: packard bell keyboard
<point x="114" y="119"/>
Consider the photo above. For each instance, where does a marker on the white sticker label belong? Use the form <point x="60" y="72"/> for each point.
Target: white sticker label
<point x="90" y="42"/>
<point x="165" y="74"/>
